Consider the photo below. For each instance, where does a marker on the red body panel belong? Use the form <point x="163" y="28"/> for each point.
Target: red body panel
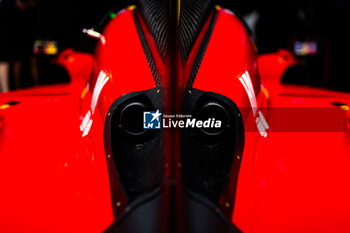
<point x="52" y="179"/>
<point x="53" y="172"/>
<point x="272" y="66"/>
<point x="117" y="57"/>
<point x="289" y="181"/>
<point x="297" y="181"/>
<point x="217" y="74"/>
<point x="77" y="64"/>
<point x="59" y="179"/>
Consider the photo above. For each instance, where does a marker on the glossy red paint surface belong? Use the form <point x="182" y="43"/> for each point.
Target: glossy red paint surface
<point x="289" y="181"/>
<point x="296" y="181"/>
<point x="51" y="179"/>
<point x="123" y="60"/>
<point x="54" y="179"/>
<point x="227" y="47"/>
<point x="272" y="66"/>
<point x="77" y="64"/>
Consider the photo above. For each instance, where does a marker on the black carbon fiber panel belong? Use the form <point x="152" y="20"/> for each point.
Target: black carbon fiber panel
<point x="147" y="51"/>
<point x="192" y="17"/>
<point x="156" y="14"/>
<point x="201" y="52"/>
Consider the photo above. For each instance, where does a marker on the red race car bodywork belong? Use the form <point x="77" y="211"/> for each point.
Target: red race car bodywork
<point x="59" y="171"/>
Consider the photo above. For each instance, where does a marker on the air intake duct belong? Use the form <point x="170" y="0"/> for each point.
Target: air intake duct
<point x="208" y="155"/>
<point x="137" y="154"/>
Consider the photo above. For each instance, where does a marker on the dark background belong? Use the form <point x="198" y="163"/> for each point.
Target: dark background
<point x="324" y="21"/>
<point x="280" y="24"/>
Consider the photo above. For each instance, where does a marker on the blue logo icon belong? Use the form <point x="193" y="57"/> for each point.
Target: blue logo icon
<point x="151" y="120"/>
